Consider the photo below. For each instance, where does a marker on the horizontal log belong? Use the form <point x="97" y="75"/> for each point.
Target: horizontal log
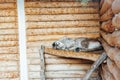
<point x="108" y="26"/>
<point x="50" y="0"/>
<point x="8" y="25"/>
<point x="65" y="17"/>
<point x="58" y="4"/>
<point x="116" y="21"/>
<point x="9" y="75"/>
<point x="61" y="31"/>
<point x="8" y="50"/>
<point x="8" y="43"/>
<point x="8" y="31"/>
<point x="2" y="1"/>
<point x="111" y="52"/>
<point x="105" y="6"/>
<point x="8" y="38"/>
<point x="10" y="79"/>
<point x="93" y="78"/>
<point x="61" y="24"/>
<point x="8" y="5"/>
<point x="107" y="15"/>
<point x="106" y="73"/>
<point x="56" y="37"/>
<point x="8" y="20"/>
<point x="39" y="43"/>
<point x="70" y="54"/>
<point x="113" y="69"/>
<point x="10" y="57"/>
<point x="12" y="25"/>
<point x="115" y="6"/>
<point x="8" y="68"/>
<point x="61" y="74"/>
<point x="59" y="61"/>
<point x="113" y="39"/>
<point x="8" y="12"/>
<point x="8" y="63"/>
<point x="61" y="67"/>
<point x="38" y="11"/>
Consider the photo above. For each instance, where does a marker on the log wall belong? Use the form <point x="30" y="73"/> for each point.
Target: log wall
<point x="50" y="21"/>
<point x="9" y="54"/>
<point x="110" y="19"/>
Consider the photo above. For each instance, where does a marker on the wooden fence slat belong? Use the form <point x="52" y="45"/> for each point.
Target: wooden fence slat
<point x="36" y="11"/>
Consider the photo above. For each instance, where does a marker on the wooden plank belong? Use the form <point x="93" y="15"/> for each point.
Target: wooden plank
<point x="65" y="17"/>
<point x="2" y="1"/>
<point x="8" y="43"/>
<point x="9" y="50"/>
<point x="10" y="57"/>
<point x="9" y="38"/>
<point x="61" y="24"/>
<point x="61" y="31"/>
<point x="8" y="25"/>
<point x="59" y="61"/>
<point x="10" y="79"/>
<point x="61" y="74"/>
<point x="9" y="75"/>
<point x="8" y="12"/>
<point x="8" y="31"/>
<point x="93" y="78"/>
<point x="70" y="54"/>
<point x="61" y="67"/>
<point x="9" y="68"/>
<point x="56" y="37"/>
<point x="4" y="20"/>
<point x="7" y="5"/>
<point x="39" y="43"/>
<point x="36" y="11"/>
<point x="58" y="4"/>
<point x="8" y="63"/>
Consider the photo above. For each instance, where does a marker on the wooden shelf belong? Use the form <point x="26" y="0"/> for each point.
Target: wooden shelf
<point x="70" y="54"/>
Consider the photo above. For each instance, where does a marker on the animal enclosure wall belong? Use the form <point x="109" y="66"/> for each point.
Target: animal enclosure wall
<point x="49" y="21"/>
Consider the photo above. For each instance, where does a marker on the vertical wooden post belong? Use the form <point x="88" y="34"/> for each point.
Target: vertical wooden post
<point x="42" y="63"/>
<point x="22" y="40"/>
